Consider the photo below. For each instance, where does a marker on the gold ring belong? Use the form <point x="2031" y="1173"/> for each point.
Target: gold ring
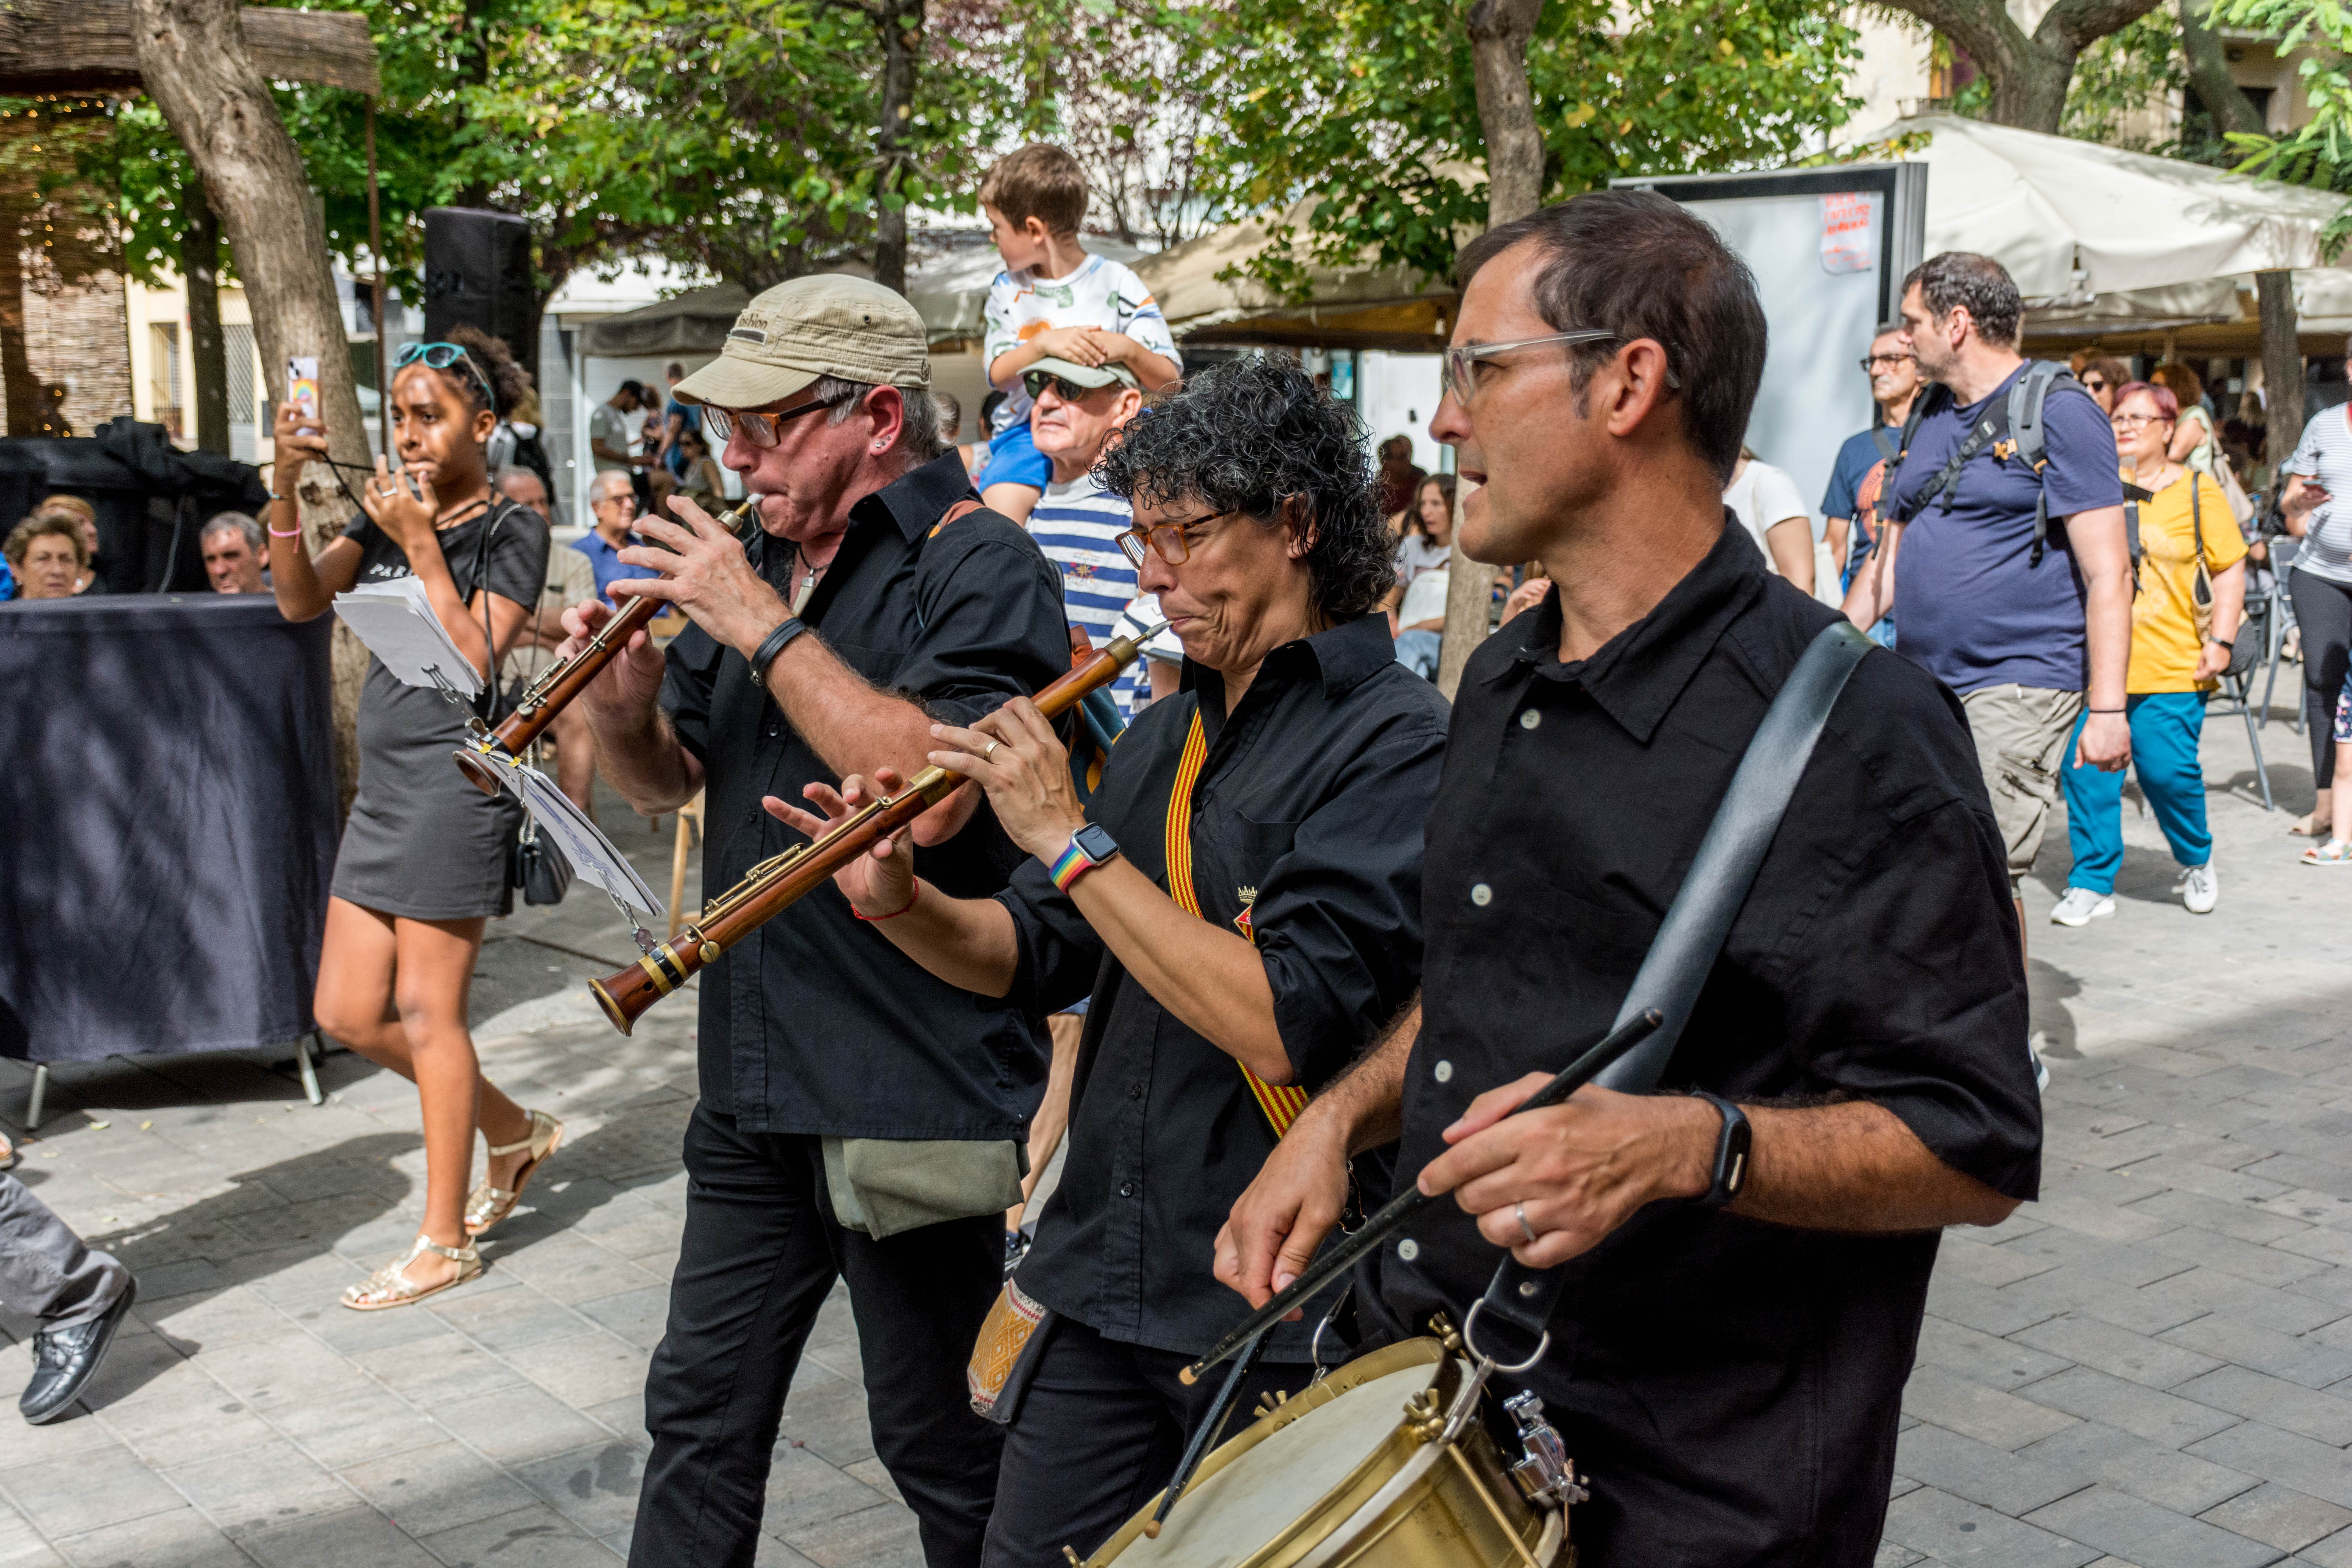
<point x="990" y="753"/>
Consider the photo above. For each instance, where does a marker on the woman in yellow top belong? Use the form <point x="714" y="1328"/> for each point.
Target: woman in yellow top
<point x="2172" y="667"/>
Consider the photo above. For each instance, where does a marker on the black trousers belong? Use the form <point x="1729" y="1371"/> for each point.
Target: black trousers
<point x="761" y="1249"/>
<point x="1098" y="1435"/>
<point x="2323" y="614"/>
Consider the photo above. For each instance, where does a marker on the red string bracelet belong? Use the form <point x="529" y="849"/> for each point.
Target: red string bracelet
<point x="912" y="900"/>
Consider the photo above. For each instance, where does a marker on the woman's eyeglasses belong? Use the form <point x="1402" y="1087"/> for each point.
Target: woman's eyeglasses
<point x="1870" y="363"/>
<point x="2127" y="423"/>
<point x="441" y="356"/>
<point x="1461" y="360"/>
<point x="1167" y="540"/>
<point x="761" y="428"/>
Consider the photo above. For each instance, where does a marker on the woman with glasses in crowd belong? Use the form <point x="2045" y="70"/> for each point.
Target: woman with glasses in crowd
<point x="424" y="860"/>
<point x="2192" y="591"/>
<point x="1241" y="900"/>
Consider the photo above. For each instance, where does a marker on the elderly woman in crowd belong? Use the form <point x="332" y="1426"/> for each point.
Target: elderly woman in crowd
<point x="1239" y="900"/>
<point x="48" y="556"/>
<point x="85" y="519"/>
<point x="2179" y="648"/>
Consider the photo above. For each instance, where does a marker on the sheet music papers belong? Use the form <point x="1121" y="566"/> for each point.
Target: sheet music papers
<point x="592" y="855"/>
<point x="396" y="622"/>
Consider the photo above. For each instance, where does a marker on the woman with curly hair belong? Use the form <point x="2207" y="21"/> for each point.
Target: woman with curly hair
<point x="1240" y="900"/>
<point x="423" y="856"/>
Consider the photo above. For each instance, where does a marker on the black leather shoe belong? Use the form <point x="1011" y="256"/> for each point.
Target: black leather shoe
<point x="65" y="1358"/>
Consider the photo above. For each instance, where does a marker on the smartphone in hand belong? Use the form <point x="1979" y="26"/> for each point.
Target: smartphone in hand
<point x="302" y="388"/>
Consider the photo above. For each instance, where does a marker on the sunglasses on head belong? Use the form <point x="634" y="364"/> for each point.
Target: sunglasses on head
<point x="441" y="356"/>
<point x="762" y="428"/>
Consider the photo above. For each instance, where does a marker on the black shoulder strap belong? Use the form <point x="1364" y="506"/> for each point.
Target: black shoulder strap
<point x="1990" y="428"/>
<point x="1684" y="953"/>
<point x="2027" y="396"/>
<point x="1888" y="447"/>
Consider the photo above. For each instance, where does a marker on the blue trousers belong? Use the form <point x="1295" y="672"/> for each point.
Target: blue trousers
<point x="2165" y="729"/>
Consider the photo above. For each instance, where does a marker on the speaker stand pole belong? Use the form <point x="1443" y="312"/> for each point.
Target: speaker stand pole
<point x="375" y="254"/>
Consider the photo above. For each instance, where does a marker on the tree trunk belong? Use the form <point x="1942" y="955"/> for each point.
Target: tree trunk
<point x="19" y="388"/>
<point x="2028" y="76"/>
<point x="1499" y="31"/>
<point x="207" y="347"/>
<point x="199" y="70"/>
<point x="2208" y="73"/>
<point x="2282" y="367"/>
<point x="902" y="22"/>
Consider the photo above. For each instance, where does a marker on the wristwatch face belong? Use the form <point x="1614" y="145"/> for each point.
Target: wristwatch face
<point x="1095" y="839"/>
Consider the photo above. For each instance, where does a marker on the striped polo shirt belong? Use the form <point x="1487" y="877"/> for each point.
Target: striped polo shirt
<point x="1077" y="526"/>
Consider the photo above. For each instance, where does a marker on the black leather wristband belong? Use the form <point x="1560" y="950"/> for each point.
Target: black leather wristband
<point x="1731" y="1147"/>
<point x="774" y="643"/>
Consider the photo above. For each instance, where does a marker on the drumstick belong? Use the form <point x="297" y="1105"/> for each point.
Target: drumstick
<point x="1204" y="1437"/>
<point x="1337" y="1259"/>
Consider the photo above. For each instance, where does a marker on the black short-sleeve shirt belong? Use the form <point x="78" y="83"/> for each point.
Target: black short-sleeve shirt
<point x="1733" y="1386"/>
<point x="816" y="1023"/>
<point x="1306" y="835"/>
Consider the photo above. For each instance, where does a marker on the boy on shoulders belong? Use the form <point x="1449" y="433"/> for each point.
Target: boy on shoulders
<point x="1054" y="300"/>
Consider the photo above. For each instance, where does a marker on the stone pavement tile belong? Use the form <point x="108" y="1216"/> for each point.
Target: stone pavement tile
<point x="181" y="1538"/>
<point x="22" y="1546"/>
<point x="532" y="1537"/>
<point x="2145" y="1534"/>
<point x="2246" y="1259"/>
<point x="2336" y="1551"/>
<point x="2288" y="1405"/>
<point x="2300" y="1171"/>
<point x="199" y="1423"/>
<point x="290" y="1368"/>
<point x="2094" y="1452"/>
<point x="137" y="1360"/>
<point x="623" y="1418"/>
<point x="2143" y="1412"/>
<point x="879" y="1537"/>
<point x="2279" y="1516"/>
<point x="1981" y="1474"/>
<point x="1983" y="1309"/>
<point x="805" y="1491"/>
<point x="2330" y="1285"/>
<point x="2314" y="1208"/>
<point x="352" y="1428"/>
<point x="593" y="1369"/>
<point x="1953" y="1531"/>
<point x="583" y="1273"/>
<point x="346" y="1537"/>
<point x="2143" y="1312"/>
<point x="461" y="1371"/>
<point x="425" y="1490"/>
<point x="2238" y="1218"/>
<point x="2210" y="1291"/>
<point x="2308" y="1359"/>
<point x="87" y="1491"/>
<point x="2260" y="1449"/>
<point x="275" y="1481"/>
<point x="2088" y="1259"/>
<point x="515" y="1425"/>
<point x="770" y="1553"/>
<point x="875" y="1474"/>
<point x="1967" y="1259"/>
<point x="183" y="1276"/>
<point x="23" y="1444"/>
<point x="507" y="1320"/>
<point x="1890" y="1555"/>
<point x="637" y="1316"/>
<point x="828" y="1416"/>
<point x="2116" y="1352"/>
<point x="1982" y="1358"/>
<point x="2326" y="1243"/>
<point x="595" y="1489"/>
<point x="2145" y="1141"/>
<point x="214" y="1321"/>
<point x="347" y="1332"/>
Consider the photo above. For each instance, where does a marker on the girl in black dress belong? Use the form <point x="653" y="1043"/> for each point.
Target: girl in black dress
<point x="423" y="856"/>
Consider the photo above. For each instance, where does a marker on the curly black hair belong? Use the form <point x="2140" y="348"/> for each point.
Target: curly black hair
<point x="1247" y="436"/>
<point x="499" y="384"/>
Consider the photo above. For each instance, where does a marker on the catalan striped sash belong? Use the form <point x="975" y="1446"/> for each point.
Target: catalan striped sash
<point x="1281" y="1102"/>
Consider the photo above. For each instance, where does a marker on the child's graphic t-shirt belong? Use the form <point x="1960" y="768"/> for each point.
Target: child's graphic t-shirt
<point x="1101" y="293"/>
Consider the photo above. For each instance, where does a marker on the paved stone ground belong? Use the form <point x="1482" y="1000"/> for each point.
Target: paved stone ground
<point x="2151" y="1368"/>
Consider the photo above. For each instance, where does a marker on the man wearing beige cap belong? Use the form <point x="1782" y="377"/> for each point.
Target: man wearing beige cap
<point x="859" y="1119"/>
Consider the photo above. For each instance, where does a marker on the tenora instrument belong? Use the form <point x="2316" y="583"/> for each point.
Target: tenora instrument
<point x="1383" y="1464"/>
<point x="562" y="681"/>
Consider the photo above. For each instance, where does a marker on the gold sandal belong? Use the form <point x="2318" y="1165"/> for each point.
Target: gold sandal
<point x="486" y="1206"/>
<point x="391" y="1286"/>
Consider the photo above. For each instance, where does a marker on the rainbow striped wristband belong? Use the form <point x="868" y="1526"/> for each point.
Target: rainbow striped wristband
<point x="1075" y="862"/>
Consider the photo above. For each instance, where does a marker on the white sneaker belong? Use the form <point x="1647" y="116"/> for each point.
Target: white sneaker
<point x="2081" y="906"/>
<point x="2201" y="889"/>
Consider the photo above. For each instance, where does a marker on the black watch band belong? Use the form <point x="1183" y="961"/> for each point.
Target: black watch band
<point x="1731" y="1172"/>
<point x="774" y="643"/>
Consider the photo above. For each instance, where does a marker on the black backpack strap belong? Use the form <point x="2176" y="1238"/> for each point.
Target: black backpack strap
<point x="1990" y="428"/>
<point x="1683" y="954"/>
<point x="1888" y="447"/>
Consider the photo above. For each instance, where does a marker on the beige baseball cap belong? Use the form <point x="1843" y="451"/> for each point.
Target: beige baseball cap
<point x="1077" y="375"/>
<point x="826" y="324"/>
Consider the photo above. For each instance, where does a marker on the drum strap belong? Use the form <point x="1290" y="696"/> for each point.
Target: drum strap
<point x="1280" y="1103"/>
<point x="1684" y="953"/>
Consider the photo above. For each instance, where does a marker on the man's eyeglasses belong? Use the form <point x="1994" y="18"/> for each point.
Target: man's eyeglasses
<point x="1166" y="539"/>
<point x="2128" y="421"/>
<point x="1870" y="363"/>
<point x="761" y="428"/>
<point x="441" y="356"/>
<point x="1037" y="381"/>
<point x="1461" y="359"/>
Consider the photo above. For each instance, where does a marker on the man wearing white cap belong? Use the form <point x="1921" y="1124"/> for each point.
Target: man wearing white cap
<point x="859" y="1119"/>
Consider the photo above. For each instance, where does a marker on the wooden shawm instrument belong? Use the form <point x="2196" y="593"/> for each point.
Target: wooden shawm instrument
<point x="775" y="885"/>
<point x="564" y="679"/>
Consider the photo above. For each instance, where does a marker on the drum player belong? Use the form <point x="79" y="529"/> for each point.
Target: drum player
<point x="1241" y="901"/>
<point x="858" y="1119"/>
<point x="1729" y="1353"/>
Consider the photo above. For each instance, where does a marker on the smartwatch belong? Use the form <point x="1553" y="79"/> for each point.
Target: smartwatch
<point x="1731" y="1172"/>
<point x="1090" y="846"/>
<point x="774" y="644"/>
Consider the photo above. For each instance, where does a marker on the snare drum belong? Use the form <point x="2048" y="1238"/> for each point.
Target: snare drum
<point x="1355" y="1472"/>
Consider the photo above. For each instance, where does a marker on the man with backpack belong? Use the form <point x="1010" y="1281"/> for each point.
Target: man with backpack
<point x="2018" y="594"/>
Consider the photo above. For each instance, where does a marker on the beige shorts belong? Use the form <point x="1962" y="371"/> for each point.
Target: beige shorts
<point x="2020" y="733"/>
